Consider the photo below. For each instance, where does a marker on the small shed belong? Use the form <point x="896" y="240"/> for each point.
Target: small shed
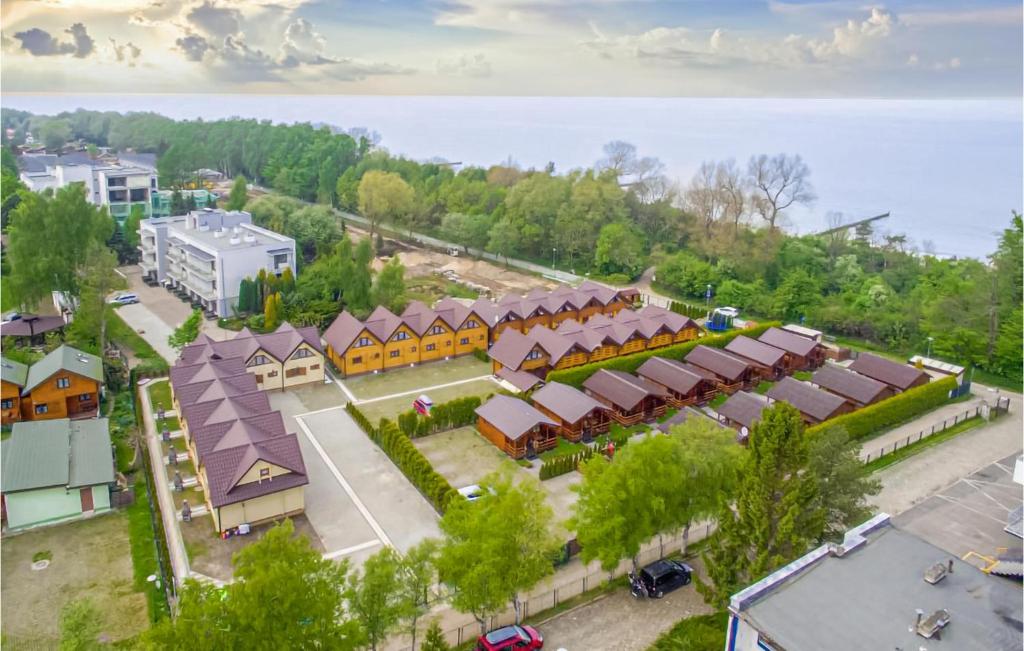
<point x="732" y="372"/>
<point x="577" y="414"/>
<point x="742" y="410"/>
<point x="684" y="387"/>
<point x="804" y="353"/>
<point x="899" y="376"/>
<point x="630" y="399"/>
<point x="515" y="427"/>
<point x="858" y="390"/>
<point x="770" y="362"/>
<point x="521" y="380"/>
<point x="815" y="406"/>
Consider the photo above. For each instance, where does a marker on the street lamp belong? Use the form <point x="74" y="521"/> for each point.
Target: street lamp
<point x="930" y="340"/>
<point x="553" y="252"/>
<point x="707" y="296"/>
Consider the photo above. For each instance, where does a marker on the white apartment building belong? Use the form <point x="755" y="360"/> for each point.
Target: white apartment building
<point x="118" y="187"/>
<point x="208" y="252"/>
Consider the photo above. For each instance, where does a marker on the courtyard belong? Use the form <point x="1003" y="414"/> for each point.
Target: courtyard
<point x="413" y="378"/>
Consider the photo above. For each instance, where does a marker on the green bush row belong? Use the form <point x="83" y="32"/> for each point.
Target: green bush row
<point x="891" y="411"/>
<point x="444" y="416"/>
<point x="629" y="363"/>
<point x="692" y="311"/>
<point x="409" y="460"/>
<point x="560" y="465"/>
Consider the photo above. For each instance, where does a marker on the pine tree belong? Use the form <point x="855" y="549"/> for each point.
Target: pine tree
<point x="776" y="516"/>
<point x="270" y="312"/>
<point x="389" y="287"/>
<point x="434" y="640"/>
<point x="238" y="195"/>
<point x="287" y="281"/>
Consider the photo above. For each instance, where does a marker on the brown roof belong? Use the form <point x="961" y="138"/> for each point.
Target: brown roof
<point x="755" y="350"/>
<point x="564" y="401"/>
<point x="621" y="389"/>
<point x="225" y="467"/>
<point x="901" y="376"/>
<point x="649" y="328"/>
<point x="279" y="344"/>
<point x="789" y="341"/>
<point x="859" y="388"/>
<point x="674" y="321"/>
<point x="743" y="408"/>
<point x="586" y="338"/>
<point x="210" y="369"/>
<point x="455" y="313"/>
<point x="522" y="380"/>
<point x="512" y="417"/>
<point x="30" y="325"/>
<point x="697" y="370"/>
<point x="556" y="345"/>
<point x="343" y="332"/>
<point x="819" y="405"/>
<point x="511" y="349"/>
<point x="223" y="387"/>
<point x="419" y="317"/>
<point x="671" y="374"/>
<point x="718" y="362"/>
<point x="382" y="322"/>
<point x="486" y="310"/>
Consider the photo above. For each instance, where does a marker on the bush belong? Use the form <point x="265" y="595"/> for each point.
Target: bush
<point x="481" y="354"/>
<point x="576" y="376"/>
<point x="361" y="420"/>
<point x="560" y="465"/>
<point x="443" y="417"/>
<point x="701" y="633"/>
<point x="891" y="411"/>
<point x="692" y="311"/>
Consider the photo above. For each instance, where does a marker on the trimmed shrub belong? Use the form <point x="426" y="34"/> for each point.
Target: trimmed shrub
<point x="444" y="416"/>
<point x="361" y="420"/>
<point x="692" y="311"/>
<point x="891" y="411"/>
<point x="629" y="363"/>
<point x="481" y="354"/>
<point x="562" y="464"/>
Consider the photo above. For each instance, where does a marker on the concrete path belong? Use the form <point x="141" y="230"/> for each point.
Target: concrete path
<point x="424" y="389"/>
<point x="872" y="448"/>
<point x="150" y="327"/>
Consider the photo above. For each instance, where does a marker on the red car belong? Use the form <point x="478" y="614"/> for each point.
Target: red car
<point x="511" y="638"/>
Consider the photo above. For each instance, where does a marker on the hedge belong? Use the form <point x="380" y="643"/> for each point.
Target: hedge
<point x="692" y="311"/>
<point x="444" y="416"/>
<point x="576" y="376"/>
<point x="560" y="465"/>
<point x="891" y="411"/>
<point x="408" y="459"/>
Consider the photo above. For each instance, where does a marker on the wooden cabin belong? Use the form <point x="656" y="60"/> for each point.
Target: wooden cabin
<point x="515" y="427"/>
<point x="803" y="353"/>
<point x="769" y="361"/>
<point x="628" y="398"/>
<point x="518" y="352"/>
<point x="578" y="415"/>
<point x="858" y="390"/>
<point x="898" y="376"/>
<point x="683" y="327"/>
<point x="815" y="406"/>
<point x="13" y="376"/>
<point x="732" y="372"/>
<point x="352" y="347"/>
<point x="64" y="384"/>
<point x="742" y="411"/>
<point x="683" y="386"/>
<point x="468" y="324"/>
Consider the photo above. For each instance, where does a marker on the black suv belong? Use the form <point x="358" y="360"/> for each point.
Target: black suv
<point x="662" y="577"/>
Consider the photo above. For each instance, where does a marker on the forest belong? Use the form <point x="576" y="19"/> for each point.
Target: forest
<point x="725" y="227"/>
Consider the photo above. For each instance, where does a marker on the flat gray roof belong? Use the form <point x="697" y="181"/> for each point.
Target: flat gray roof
<point x="223" y="243"/>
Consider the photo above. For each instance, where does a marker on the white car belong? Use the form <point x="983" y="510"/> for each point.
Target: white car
<point x="728" y="311"/>
<point x="124" y="299"/>
<point x="471" y="493"/>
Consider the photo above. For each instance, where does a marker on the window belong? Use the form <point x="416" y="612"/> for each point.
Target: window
<point x="314" y="367"/>
<point x="302" y="353"/>
<point x="364" y="341"/>
<point x="437" y="330"/>
<point x="431" y="347"/>
<point x="117" y="182"/>
<point x="357" y="360"/>
<point x="85" y="397"/>
<point x="471" y="324"/>
<point x="464" y="341"/>
<point x="42" y="409"/>
<point x="294" y="372"/>
<point x="6" y="404"/>
<point x="117" y="196"/>
<point x="264" y="473"/>
<point x="139" y="194"/>
<point x="272" y="374"/>
<point x="413" y="349"/>
<point x="259" y="360"/>
<point x="63" y="382"/>
<point x="280" y="259"/>
<point x="395" y="353"/>
<point x="534" y="354"/>
<point x="259" y="379"/>
<point x="400" y="336"/>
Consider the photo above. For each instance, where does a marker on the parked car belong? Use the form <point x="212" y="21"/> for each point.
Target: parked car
<point x="472" y="492"/>
<point x="661" y="577"/>
<point x="124" y="299"/>
<point x="511" y="638"/>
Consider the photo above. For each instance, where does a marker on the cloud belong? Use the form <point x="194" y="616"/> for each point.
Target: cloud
<point x="303" y="44"/>
<point x="992" y="16"/>
<point x="127" y="53"/>
<point x="40" y="43"/>
<point x="913" y="60"/>
<point x="193" y="45"/>
<point x="214" y="20"/>
<point x="848" y="39"/>
<point x="465" y="65"/>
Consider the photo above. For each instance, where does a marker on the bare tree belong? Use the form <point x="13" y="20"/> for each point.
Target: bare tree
<point x="779" y="182"/>
<point x="836" y="237"/>
<point x="619" y="156"/>
<point x="717" y="193"/>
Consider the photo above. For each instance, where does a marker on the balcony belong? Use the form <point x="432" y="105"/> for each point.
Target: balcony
<point x="202" y="270"/>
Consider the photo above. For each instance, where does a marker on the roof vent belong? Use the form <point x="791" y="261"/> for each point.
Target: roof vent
<point x="938" y="571"/>
<point x="235" y="240"/>
<point x="83" y="359"/>
<point x="204" y="227"/>
<point x="931" y="627"/>
<point x="249" y="237"/>
<point x="219" y="232"/>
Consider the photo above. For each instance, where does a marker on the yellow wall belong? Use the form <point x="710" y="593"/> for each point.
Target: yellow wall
<point x="261" y="509"/>
<point x="477" y="338"/>
<point x="443" y="344"/>
<point x="314" y="367"/>
<point x="371" y="358"/>
<point x="633" y="346"/>
<point x="604" y="352"/>
<point x="253" y="475"/>
<point x="662" y="339"/>
<point x="407" y="350"/>
<point x="574" y="359"/>
<point x="687" y="334"/>
<point x="11" y="392"/>
<point x="539" y="320"/>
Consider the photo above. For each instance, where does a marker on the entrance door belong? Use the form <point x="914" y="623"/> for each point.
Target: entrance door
<point x="86" y="494"/>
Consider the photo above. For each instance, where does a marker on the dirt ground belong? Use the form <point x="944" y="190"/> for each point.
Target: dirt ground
<point x="90" y="559"/>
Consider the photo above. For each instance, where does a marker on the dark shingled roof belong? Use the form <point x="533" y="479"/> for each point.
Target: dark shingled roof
<point x="789" y="341"/>
<point x="522" y="380"/>
<point x="419" y="317"/>
<point x="564" y="401"/>
<point x="225" y="467"/>
<point x="512" y="417"/>
<point x="848" y="384"/>
<point x="743" y="408"/>
<point x="670" y="373"/>
<point x="343" y="332"/>
<point x="675" y="322"/>
<point x="718" y="362"/>
<point x="511" y="348"/>
<point x="621" y="389"/>
<point x="279" y="344"/>
<point x="556" y="345"/>
<point x="30" y="325"/>
<point x="819" y="405"/>
<point x="901" y="376"/>
<point x="755" y="350"/>
<point x="382" y="322"/>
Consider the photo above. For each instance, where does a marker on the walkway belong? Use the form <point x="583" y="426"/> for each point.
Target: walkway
<point x="872" y="448"/>
<point x="422" y="389"/>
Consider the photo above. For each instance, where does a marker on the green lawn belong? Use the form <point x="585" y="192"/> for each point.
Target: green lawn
<point x="411" y="378"/>
<point x="700" y="633"/>
<point x="717" y="401"/>
<point x="391" y="407"/>
<point x="764" y="387"/>
<point x="143" y="550"/>
<point x="122" y="335"/>
<point x="430" y="289"/>
<point x="564" y="448"/>
<point x="160" y="395"/>
<point x="923" y="444"/>
<point x="803" y="376"/>
<point x="172" y="423"/>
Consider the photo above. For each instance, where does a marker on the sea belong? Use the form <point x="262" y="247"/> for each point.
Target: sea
<point x="948" y="172"/>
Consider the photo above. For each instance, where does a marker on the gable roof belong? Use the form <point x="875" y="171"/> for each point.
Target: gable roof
<point x="223" y="387"/>
<point x="788" y="341"/>
<point x="343" y="332"/>
<point x="512" y="417"/>
<point x="383" y="323"/>
<point x="718" y="362"/>
<point x="566" y="402"/>
<point x="755" y="350"/>
<point x="557" y="346"/>
<point x="208" y="369"/>
<point x="522" y="380"/>
<point x="622" y="389"/>
<point x="64" y="358"/>
<point x="819" y="405"/>
<point x="857" y="387"/>
<point x="455" y="313"/>
<point x="58" y="452"/>
<point x="13" y="372"/>
<point x="225" y="467"/>
<point x="486" y="310"/>
<point x="743" y="408"/>
<point x="419" y="317"/>
<point x="511" y="349"/>
<point x="901" y="376"/>
<point x="673" y="320"/>
<point x="671" y="374"/>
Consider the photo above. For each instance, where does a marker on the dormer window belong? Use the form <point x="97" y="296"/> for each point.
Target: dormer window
<point x="302" y="353"/>
<point x="437" y="330"/>
<point x="400" y="336"/>
<point x="534" y="354"/>
<point x="264" y="473"/>
<point x="363" y="341"/>
<point x="471" y="324"/>
<point x="260" y="360"/>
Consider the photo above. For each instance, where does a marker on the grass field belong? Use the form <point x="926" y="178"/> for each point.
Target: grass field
<point x="391" y="407"/>
<point x="431" y="374"/>
<point x="160" y="394"/>
<point x="430" y="289"/>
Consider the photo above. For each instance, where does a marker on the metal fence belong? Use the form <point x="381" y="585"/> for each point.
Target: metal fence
<point x="979" y="411"/>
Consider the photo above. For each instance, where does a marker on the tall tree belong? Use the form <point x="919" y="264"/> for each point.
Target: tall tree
<point x="358" y="288"/>
<point x="376" y="597"/>
<point x="779" y="182"/>
<point x="420" y="571"/>
<point x="487" y="571"/>
<point x="620" y="250"/>
<point x="777" y="514"/>
<point x="384" y="196"/>
<point x="843" y="486"/>
<point x="55" y="133"/>
<point x="187" y="332"/>
<point x="97" y="279"/>
<point x="239" y="194"/>
<point x="389" y="286"/>
<point x="433" y="639"/>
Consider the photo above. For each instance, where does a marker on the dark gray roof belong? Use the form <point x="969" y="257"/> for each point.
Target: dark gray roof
<point x="789" y="341"/>
<point x="621" y="389"/>
<point x="901" y="376"/>
<point x="564" y="401"/>
<point x="718" y="362"/>
<point x="670" y="373"/>
<point x="743" y="408"/>
<point x="58" y="452"/>
<point x="511" y="348"/>
<point x="857" y="387"/>
<point x="138" y="159"/>
<point x="28" y="326"/>
<point x="819" y="405"/>
<point x="755" y="350"/>
<point x="522" y="380"/>
<point x="868" y="598"/>
<point x="511" y="416"/>
<point x="35" y="163"/>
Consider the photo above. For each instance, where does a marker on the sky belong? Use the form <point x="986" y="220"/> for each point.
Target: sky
<point x="676" y="48"/>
